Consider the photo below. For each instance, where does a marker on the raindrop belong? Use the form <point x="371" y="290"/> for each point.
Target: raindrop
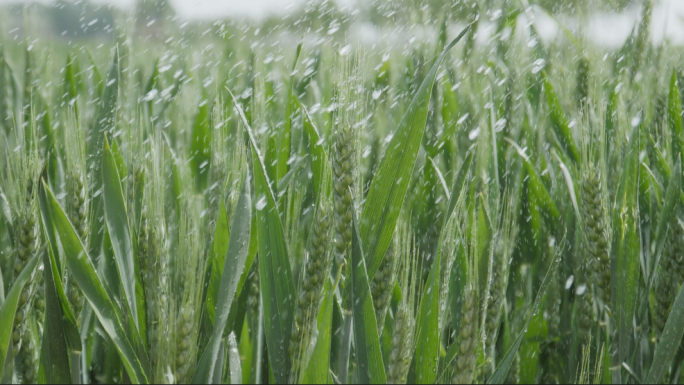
<point x="568" y="283"/>
<point x="581" y="289"/>
<point x="261" y="203"/>
<point x="538" y="65"/>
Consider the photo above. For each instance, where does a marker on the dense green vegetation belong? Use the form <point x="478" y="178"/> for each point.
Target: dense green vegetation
<point x="217" y="203"/>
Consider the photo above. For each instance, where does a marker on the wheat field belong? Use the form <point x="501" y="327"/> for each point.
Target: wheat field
<point x="215" y="203"/>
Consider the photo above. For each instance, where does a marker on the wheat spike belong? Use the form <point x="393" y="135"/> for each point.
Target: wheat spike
<point x="404" y="337"/>
<point x="383" y="285"/>
<point x="669" y="277"/>
<point x="595" y="227"/>
<point x="504" y="244"/>
<point x="189" y="283"/>
<point x="345" y="164"/>
<point x="27" y="246"/>
<point x="76" y="205"/>
<point x="464" y="363"/>
<point x="316" y="271"/>
<point x="468" y="335"/>
<point x="29" y="360"/>
<point x="582" y="93"/>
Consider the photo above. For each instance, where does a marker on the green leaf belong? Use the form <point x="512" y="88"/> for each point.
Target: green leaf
<point x="428" y="342"/>
<point x="540" y="195"/>
<point x="382" y="76"/>
<point x="177" y="186"/>
<point x="674" y="117"/>
<point x="98" y="84"/>
<point x="70" y="84"/>
<point x="120" y="235"/>
<point x="457" y="188"/>
<point x="9" y="309"/>
<point x="625" y="250"/>
<point x="217" y="374"/>
<point x="253" y="248"/>
<point x="219" y="248"/>
<point x="388" y="188"/>
<point x="559" y="122"/>
<point x="103" y="123"/>
<point x="665" y="219"/>
<point x="529" y="350"/>
<point x="286" y="134"/>
<point x="499" y="375"/>
<point x="104" y="117"/>
<point x="119" y="161"/>
<point x="318" y="155"/>
<point x="661" y="164"/>
<point x="439" y="175"/>
<point x="450" y="111"/>
<point x="200" y="146"/>
<point x="238" y="249"/>
<point x="83" y="272"/>
<point x="369" y="363"/>
<point x="318" y="366"/>
<point x="7" y="216"/>
<point x="277" y="284"/>
<point x="234" y="360"/>
<point x="55" y="361"/>
<point x="669" y="341"/>
<point x="67" y="319"/>
<point x="138" y="195"/>
<point x="484" y="234"/>
<point x="612" y="112"/>
<point x="152" y="84"/>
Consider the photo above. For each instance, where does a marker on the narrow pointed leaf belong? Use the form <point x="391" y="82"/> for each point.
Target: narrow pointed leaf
<point x="70" y="85"/>
<point x="277" y="283"/>
<point x="388" y="188"/>
<point x="55" y="362"/>
<point x="217" y="374"/>
<point x="104" y="117"/>
<point x="219" y="248"/>
<point x="234" y="360"/>
<point x="238" y="248"/>
<point x="625" y="250"/>
<point x="9" y="309"/>
<point x="539" y="194"/>
<point x="450" y="111"/>
<point x="560" y="122"/>
<point x="103" y="123"/>
<point x="139" y="193"/>
<point x="120" y="235"/>
<point x="83" y="272"/>
<point x="669" y="341"/>
<point x="200" y="146"/>
<point x="318" y="155"/>
<point x="661" y="164"/>
<point x="67" y="318"/>
<point x="665" y="219"/>
<point x="98" y="84"/>
<point x="428" y="342"/>
<point x="674" y="117"/>
<point x="499" y="375"/>
<point x="369" y="363"/>
<point x="286" y="134"/>
<point x="319" y="363"/>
